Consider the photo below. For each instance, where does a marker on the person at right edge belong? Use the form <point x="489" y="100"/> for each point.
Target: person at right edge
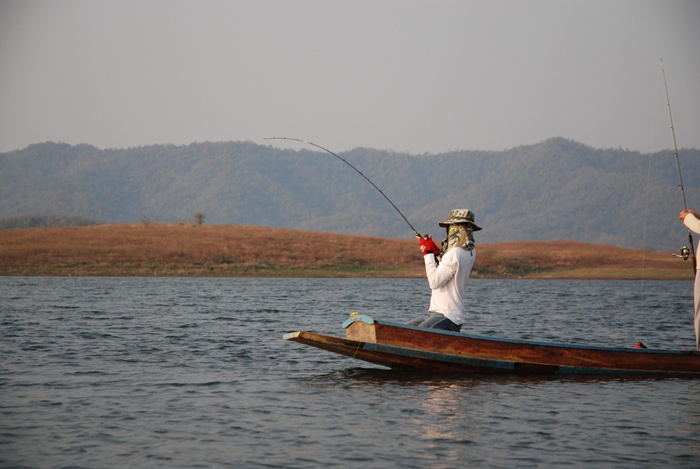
<point x="691" y="219"/>
<point x="448" y="277"/>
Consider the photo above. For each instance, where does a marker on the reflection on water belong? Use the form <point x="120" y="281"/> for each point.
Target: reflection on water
<point x="530" y="420"/>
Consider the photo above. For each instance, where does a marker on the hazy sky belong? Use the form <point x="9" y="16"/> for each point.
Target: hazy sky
<point x="416" y="76"/>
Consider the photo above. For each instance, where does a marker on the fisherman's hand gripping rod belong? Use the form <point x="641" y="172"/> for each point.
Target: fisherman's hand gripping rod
<point x="418" y="235"/>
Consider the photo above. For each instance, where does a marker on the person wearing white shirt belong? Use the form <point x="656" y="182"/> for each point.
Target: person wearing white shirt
<point x="448" y="269"/>
<point x="691" y="219"/>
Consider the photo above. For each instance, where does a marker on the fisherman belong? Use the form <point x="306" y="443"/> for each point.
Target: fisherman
<point x="448" y="270"/>
<point x="691" y="219"/>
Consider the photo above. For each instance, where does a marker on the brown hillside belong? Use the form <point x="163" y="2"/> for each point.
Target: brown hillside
<point x="186" y="250"/>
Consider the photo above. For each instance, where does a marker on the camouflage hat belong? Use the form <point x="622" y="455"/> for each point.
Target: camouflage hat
<point x="461" y="215"/>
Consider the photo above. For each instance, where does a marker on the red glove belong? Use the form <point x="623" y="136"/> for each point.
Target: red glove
<point x="428" y="246"/>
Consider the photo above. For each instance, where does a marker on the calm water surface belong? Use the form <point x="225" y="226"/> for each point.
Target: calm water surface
<point x="186" y="373"/>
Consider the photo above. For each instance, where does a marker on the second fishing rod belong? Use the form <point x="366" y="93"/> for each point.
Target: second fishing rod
<point x="686" y="251"/>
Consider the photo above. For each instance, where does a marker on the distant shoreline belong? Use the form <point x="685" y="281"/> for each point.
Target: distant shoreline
<point x="184" y="250"/>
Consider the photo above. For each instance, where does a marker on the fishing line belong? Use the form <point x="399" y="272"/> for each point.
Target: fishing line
<point x="356" y="170"/>
<point x="652" y="127"/>
<point x="691" y="249"/>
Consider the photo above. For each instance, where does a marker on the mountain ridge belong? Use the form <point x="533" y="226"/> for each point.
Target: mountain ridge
<point x="554" y="189"/>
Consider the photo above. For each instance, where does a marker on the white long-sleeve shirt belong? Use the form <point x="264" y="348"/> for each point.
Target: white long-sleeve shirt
<point x="448" y="282"/>
<point x="693" y="224"/>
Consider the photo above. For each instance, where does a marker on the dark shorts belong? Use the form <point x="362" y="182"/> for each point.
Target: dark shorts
<point x="435" y="321"/>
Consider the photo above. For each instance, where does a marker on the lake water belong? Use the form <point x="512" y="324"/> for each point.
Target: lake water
<point x="194" y="373"/>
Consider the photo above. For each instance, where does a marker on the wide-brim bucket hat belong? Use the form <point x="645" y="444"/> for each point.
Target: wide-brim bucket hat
<point x="461" y="215"/>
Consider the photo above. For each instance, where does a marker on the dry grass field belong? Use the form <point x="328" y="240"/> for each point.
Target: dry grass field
<point x="224" y="250"/>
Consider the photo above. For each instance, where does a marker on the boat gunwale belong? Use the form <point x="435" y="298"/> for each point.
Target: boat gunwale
<point x="371" y="321"/>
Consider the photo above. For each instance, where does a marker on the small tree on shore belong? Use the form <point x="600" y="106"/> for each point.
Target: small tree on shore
<point x="199" y="218"/>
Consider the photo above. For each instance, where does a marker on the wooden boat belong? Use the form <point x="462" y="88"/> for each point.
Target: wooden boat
<point x="399" y="346"/>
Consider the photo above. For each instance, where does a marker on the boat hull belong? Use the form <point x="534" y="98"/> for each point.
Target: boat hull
<point x="405" y="347"/>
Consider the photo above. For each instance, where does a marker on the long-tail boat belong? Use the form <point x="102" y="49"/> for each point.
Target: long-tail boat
<point x="399" y="346"/>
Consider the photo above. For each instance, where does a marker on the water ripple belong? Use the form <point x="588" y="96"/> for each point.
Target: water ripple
<point x="102" y="372"/>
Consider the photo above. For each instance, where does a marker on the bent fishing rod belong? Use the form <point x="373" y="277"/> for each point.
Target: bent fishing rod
<point x="685" y="251"/>
<point x="357" y="171"/>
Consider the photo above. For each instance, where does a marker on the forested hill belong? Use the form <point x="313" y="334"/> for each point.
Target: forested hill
<point x="556" y="189"/>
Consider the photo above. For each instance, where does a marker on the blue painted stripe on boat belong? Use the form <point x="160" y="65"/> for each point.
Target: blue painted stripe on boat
<point x="506" y="365"/>
<point x="414" y="353"/>
<point x="614" y="371"/>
